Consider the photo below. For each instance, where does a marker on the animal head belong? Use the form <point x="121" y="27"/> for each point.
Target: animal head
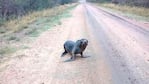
<point x="82" y="43"/>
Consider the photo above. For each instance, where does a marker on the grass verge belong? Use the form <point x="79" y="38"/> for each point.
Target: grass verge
<point x="45" y="23"/>
<point x="23" y="22"/>
<point x="7" y="50"/>
<point x="30" y="25"/>
<point x="138" y="13"/>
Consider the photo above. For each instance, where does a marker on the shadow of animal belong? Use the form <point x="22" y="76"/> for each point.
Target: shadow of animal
<point x="77" y="57"/>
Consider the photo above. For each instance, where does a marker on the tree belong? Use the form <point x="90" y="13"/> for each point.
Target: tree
<point x="14" y="8"/>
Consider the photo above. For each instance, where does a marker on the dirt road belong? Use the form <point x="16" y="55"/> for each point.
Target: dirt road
<point x="118" y="53"/>
<point x="126" y="46"/>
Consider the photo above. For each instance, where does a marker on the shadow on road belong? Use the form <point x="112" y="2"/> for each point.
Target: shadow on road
<point x="77" y="57"/>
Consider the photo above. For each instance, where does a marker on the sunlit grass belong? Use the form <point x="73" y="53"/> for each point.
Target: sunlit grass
<point x="48" y="22"/>
<point x="132" y="11"/>
<point x="23" y="22"/>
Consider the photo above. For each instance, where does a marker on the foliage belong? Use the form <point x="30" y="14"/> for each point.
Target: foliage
<point x="142" y="3"/>
<point x="11" y="9"/>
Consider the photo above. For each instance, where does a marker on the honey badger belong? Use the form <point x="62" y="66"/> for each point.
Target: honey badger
<point x="74" y="48"/>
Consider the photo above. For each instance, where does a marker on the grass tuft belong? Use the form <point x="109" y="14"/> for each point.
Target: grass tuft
<point x="2" y="30"/>
<point x="7" y="50"/>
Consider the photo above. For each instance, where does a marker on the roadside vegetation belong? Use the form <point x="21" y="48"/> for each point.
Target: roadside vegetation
<point x="134" y="12"/>
<point x="138" y="3"/>
<point x="135" y="9"/>
<point x="12" y="9"/>
<point x="18" y="33"/>
<point x="19" y="24"/>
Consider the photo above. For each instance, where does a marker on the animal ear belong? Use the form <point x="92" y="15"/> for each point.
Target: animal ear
<point x="86" y="41"/>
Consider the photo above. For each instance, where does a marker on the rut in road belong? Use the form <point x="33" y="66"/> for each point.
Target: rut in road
<point x="42" y="63"/>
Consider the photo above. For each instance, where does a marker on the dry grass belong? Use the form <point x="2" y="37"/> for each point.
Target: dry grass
<point x="23" y="22"/>
<point x="128" y="9"/>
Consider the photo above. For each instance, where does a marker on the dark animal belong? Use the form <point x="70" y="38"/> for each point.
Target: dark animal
<point x="74" y="48"/>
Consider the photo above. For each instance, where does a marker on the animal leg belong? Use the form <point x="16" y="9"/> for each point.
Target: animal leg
<point x="64" y="53"/>
<point x="73" y="57"/>
<point x="82" y="54"/>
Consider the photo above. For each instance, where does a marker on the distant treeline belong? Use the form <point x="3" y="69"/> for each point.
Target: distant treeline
<point x="142" y="3"/>
<point x="14" y="8"/>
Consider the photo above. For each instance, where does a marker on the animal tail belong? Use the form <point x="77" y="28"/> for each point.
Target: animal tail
<point x="64" y="53"/>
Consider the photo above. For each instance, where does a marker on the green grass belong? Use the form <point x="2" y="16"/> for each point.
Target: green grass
<point x="17" y="25"/>
<point x="7" y="50"/>
<point x="138" y="13"/>
<point x="24" y="47"/>
<point x="48" y="22"/>
<point x="2" y="30"/>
